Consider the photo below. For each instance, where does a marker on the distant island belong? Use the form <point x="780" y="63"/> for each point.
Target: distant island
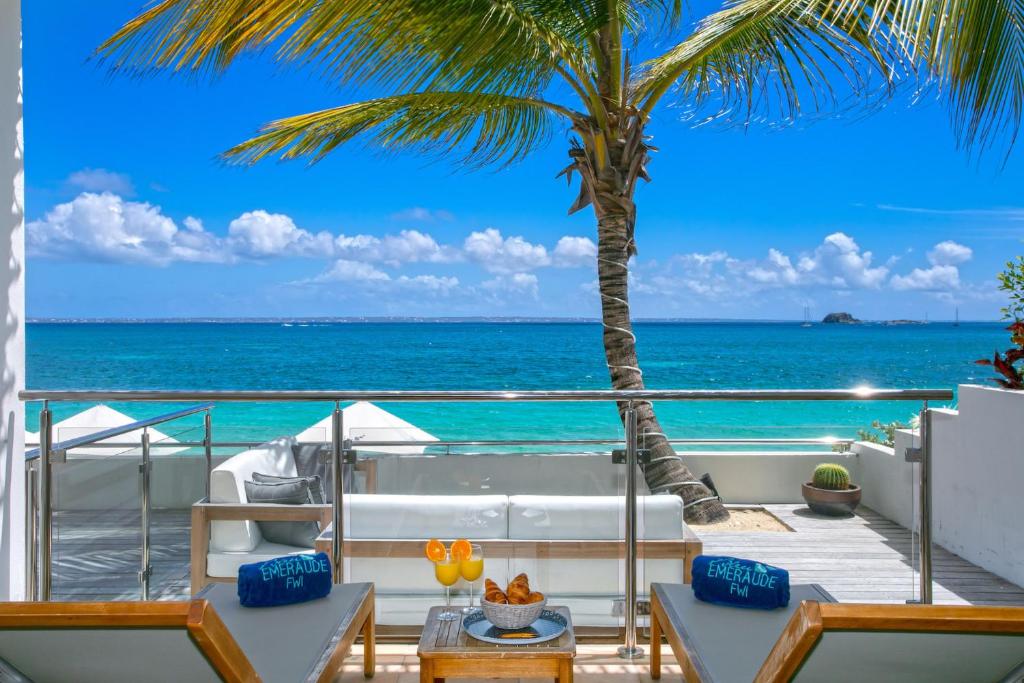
<point x="842" y="317"/>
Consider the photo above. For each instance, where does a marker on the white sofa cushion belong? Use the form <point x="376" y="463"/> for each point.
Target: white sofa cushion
<point x="225" y="563"/>
<point x="422" y="517"/>
<point x="227" y="485"/>
<point x="587" y="518"/>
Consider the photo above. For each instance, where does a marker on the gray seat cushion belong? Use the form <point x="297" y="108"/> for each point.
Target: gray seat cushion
<point x="9" y="674"/>
<point x="293" y="492"/>
<point x="731" y="642"/>
<point x="286" y="644"/>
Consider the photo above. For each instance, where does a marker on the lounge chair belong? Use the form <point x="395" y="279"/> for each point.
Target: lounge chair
<point x="815" y="640"/>
<point x="210" y="638"/>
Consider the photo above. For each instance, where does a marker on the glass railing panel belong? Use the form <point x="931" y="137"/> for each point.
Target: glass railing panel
<point x="550" y="511"/>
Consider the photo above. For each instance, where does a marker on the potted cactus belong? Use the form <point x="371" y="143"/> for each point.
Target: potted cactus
<point x="830" y="492"/>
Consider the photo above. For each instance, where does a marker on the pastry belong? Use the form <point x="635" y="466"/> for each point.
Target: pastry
<point x="494" y="594"/>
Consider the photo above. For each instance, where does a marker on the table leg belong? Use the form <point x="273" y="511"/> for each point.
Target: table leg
<point x="565" y="671"/>
<point x="426" y="671"/>
<point x="655" y="647"/>
<point x="369" y="645"/>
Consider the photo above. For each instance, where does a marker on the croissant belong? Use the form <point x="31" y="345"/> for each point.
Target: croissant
<point x="534" y="597"/>
<point x="494" y="594"/>
<point x="518" y="593"/>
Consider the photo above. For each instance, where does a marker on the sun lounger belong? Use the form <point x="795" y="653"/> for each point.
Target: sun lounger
<point x="210" y="638"/>
<point x="816" y="640"/>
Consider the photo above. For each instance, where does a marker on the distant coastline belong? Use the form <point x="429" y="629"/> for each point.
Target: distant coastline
<point x="440" y="319"/>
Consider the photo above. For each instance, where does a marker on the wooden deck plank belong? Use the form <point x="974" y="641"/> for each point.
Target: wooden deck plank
<point x="865" y="558"/>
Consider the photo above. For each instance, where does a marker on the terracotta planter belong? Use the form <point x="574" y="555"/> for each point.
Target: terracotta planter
<point x="831" y="503"/>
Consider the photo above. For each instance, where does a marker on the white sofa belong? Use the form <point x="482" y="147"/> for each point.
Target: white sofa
<point x="570" y="545"/>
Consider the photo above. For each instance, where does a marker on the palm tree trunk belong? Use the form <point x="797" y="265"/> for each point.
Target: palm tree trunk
<point x="613" y="205"/>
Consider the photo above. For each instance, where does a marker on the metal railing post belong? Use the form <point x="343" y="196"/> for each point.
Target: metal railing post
<point x="337" y="446"/>
<point x="925" y="533"/>
<point x="44" y="568"/>
<point x="630" y="650"/>
<point x="144" y="473"/>
<point x="31" y="545"/>
<point x="208" y="448"/>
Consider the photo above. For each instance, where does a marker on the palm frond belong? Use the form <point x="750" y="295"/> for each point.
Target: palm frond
<point x="764" y="55"/>
<point x="406" y="45"/>
<point x="485" y="128"/>
<point x="972" y="50"/>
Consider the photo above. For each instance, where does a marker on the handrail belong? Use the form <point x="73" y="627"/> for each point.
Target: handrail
<point x="90" y="439"/>
<point x="359" y="443"/>
<point x="855" y="394"/>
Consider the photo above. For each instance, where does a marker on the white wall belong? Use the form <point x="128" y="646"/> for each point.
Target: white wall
<point x="12" y="298"/>
<point x="887" y="480"/>
<point x="978" y="479"/>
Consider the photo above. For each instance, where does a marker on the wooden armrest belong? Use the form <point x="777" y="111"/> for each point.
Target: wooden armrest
<point x="264" y="512"/>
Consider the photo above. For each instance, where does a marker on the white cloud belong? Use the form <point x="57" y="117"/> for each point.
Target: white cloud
<point x="260" y="234"/>
<point x="101" y="180"/>
<point x="418" y="213"/>
<point x="838" y="262"/>
<point x="573" y="252"/>
<point x="431" y="283"/>
<point x="504" y="256"/>
<point x="943" y="276"/>
<point x="105" y="227"/>
<point x="408" y="246"/>
<point x="515" y="283"/>
<point x="934" y="279"/>
<point x="365" y="274"/>
<point x="949" y="253"/>
<point x="344" y="270"/>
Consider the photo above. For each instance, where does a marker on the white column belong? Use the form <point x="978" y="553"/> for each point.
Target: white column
<point x="12" y="299"/>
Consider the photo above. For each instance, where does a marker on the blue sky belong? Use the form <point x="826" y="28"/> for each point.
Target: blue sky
<point x="131" y="215"/>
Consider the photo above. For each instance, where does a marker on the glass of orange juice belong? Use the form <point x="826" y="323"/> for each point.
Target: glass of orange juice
<point x="471" y="568"/>
<point x="446" y="572"/>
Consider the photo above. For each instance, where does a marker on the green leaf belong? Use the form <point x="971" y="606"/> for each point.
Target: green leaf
<point x="486" y="128"/>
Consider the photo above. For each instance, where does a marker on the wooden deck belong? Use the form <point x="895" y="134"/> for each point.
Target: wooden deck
<point x="866" y="558"/>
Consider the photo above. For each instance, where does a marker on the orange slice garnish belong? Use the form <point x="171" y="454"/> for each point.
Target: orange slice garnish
<point x="462" y="550"/>
<point x="436" y="552"/>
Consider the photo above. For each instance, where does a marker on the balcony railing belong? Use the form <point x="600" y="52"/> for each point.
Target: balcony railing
<point x="40" y="460"/>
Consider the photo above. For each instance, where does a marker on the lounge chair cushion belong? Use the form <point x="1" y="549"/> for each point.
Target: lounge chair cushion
<point x="732" y="643"/>
<point x="284" y="644"/>
<point x="227" y="485"/>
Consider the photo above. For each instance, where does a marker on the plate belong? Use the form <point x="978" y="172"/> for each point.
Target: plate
<point x="548" y="626"/>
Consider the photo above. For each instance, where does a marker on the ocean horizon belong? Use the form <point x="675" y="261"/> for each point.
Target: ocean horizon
<point x="509" y="354"/>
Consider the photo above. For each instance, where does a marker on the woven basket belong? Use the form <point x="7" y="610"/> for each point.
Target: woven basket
<point x="512" y="616"/>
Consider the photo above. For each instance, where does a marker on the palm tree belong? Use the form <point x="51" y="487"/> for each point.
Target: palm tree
<point x="489" y="81"/>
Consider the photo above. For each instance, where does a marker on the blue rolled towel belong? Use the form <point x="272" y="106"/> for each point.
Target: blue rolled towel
<point x="284" y="580"/>
<point x="740" y="583"/>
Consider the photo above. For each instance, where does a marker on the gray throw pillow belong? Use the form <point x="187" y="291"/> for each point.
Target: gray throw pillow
<point x="296" y="492"/>
<point x="310" y="462"/>
<point x="316" y="489"/>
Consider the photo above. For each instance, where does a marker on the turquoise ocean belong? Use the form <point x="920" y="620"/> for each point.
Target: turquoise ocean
<point x="510" y="356"/>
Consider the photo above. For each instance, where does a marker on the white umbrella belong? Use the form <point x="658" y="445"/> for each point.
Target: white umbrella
<point x="363" y="421"/>
<point x="99" y="418"/>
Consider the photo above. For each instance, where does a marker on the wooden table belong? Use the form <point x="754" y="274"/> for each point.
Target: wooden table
<point x="447" y="651"/>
